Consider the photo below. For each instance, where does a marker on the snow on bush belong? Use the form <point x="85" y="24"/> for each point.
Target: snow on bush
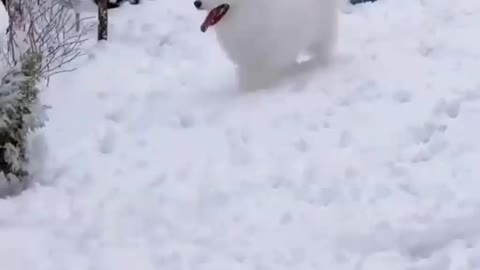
<point x="42" y="38"/>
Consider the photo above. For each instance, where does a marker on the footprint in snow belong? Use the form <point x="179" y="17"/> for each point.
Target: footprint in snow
<point x="402" y="96"/>
<point x="450" y="109"/>
<point x="345" y="139"/>
<point x="425" y="133"/>
<point x="301" y="145"/>
<point x="115" y="116"/>
<point x="106" y="144"/>
<point x="147" y="28"/>
<point x="430" y="141"/>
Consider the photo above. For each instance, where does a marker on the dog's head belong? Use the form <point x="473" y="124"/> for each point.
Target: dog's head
<point x="216" y="9"/>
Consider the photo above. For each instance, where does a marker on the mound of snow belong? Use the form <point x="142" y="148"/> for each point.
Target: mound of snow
<point x="3" y="24"/>
<point x="3" y="17"/>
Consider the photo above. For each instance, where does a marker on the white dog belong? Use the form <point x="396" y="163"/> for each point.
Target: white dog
<point x="264" y="38"/>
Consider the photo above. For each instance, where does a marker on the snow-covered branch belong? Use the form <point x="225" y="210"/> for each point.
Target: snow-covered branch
<point x="47" y="28"/>
<point x="43" y="38"/>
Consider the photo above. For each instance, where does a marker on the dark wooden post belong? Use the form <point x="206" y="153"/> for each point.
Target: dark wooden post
<point x="102" y="19"/>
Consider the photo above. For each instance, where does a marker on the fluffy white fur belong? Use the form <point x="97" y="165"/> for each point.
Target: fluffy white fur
<point x="264" y="38"/>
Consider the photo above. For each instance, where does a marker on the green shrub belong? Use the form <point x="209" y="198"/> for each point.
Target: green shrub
<point x="21" y="113"/>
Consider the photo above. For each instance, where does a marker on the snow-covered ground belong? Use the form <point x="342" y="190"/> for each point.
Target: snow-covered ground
<point x="155" y="161"/>
<point x="3" y="27"/>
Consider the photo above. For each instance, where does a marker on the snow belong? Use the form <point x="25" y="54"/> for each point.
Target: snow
<point x="155" y="161"/>
<point x="3" y="25"/>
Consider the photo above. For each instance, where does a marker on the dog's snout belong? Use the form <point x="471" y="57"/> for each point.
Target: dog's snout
<point x="197" y="4"/>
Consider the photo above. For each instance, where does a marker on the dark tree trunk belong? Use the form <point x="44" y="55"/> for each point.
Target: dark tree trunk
<point x="102" y="19"/>
<point x="354" y="2"/>
<point x="77" y="21"/>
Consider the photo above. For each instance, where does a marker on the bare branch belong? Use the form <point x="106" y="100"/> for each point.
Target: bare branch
<point x="48" y="28"/>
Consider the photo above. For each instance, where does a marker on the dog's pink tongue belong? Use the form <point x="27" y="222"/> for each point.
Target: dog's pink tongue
<point x="209" y="20"/>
